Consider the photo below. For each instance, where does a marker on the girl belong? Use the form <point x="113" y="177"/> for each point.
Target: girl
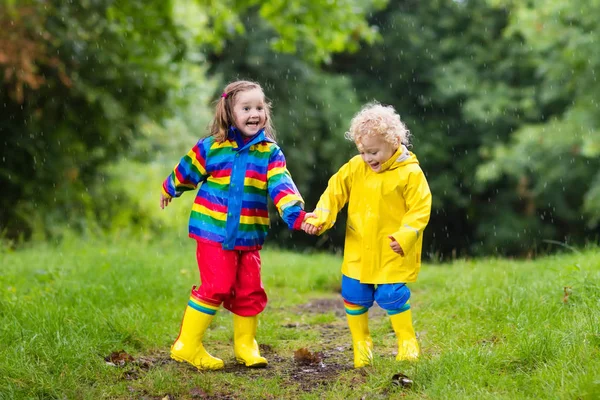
<point x="389" y="204"/>
<point x="237" y="166"/>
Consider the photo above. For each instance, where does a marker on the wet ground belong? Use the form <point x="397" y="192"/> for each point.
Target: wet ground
<point x="309" y="370"/>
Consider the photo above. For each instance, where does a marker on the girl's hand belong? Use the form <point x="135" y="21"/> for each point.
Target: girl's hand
<point x="164" y="201"/>
<point x="395" y="246"/>
<point x="310" y="228"/>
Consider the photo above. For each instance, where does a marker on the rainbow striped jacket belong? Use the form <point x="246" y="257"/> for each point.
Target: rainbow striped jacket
<point x="235" y="181"/>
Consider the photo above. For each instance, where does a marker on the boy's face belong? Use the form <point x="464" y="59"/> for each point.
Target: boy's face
<point x="375" y="151"/>
<point x="249" y="112"/>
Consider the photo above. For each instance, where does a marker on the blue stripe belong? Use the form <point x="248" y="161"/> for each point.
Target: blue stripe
<point x="261" y="205"/>
<point x="213" y="237"/>
<point x="260" y="168"/>
<point x="204" y="310"/>
<point x="219" y="163"/>
<point x="185" y="169"/>
<point x="250" y="242"/>
<point x="357" y="312"/>
<point x="216" y="197"/>
<point x="256" y="197"/>
<point x="405" y="307"/>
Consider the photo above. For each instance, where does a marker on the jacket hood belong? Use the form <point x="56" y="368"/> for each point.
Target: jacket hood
<point x="401" y="157"/>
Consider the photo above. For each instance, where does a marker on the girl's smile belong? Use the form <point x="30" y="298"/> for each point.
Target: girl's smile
<point x="249" y="112"/>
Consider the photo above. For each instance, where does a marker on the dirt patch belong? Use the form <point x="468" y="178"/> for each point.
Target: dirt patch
<point x="309" y="370"/>
<point x="335" y="305"/>
<point x="312" y="369"/>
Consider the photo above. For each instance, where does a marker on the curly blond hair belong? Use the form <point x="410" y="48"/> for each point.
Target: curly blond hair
<point x="376" y="119"/>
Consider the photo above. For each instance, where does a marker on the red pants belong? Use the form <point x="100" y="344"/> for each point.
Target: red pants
<point x="231" y="277"/>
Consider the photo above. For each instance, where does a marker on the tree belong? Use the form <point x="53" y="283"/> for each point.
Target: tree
<point x="79" y="78"/>
<point x="556" y="161"/>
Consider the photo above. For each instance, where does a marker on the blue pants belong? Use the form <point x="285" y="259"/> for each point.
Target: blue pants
<point x="389" y="296"/>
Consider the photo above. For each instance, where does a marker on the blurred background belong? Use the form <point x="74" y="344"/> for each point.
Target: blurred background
<point x="99" y="99"/>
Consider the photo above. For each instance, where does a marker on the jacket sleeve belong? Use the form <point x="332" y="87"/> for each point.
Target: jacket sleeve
<point x="333" y="199"/>
<point x="418" y="204"/>
<point x="283" y="191"/>
<point x="188" y="173"/>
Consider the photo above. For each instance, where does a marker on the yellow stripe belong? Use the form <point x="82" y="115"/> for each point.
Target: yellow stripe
<point x="224" y="180"/>
<point x="254" y="220"/>
<point x="203" y="304"/>
<point x="178" y="183"/>
<point x="275" y="171"/>
<point x="223" y="144"/>
<point x="290" y="198"/>
<point x="353" y="306"/>
<point x="196" y="163"/>
<point x="215" y="214"/>
<point x="255" y="183"/>
<point x="262" y="147"/>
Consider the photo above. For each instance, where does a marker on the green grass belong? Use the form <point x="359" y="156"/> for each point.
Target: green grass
<point x="489" y="329"/>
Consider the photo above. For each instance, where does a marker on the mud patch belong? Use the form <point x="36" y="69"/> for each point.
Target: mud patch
<point x="325" y="362"/>
<point x="335" y="305"/>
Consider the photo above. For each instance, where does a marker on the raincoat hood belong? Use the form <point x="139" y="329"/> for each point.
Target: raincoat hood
<point x="401" y="157"/>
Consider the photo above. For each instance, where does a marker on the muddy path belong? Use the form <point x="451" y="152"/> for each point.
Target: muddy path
<point x="308" y="370"/>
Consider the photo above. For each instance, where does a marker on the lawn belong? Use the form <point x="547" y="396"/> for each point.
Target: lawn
<point x="94" y="319"/>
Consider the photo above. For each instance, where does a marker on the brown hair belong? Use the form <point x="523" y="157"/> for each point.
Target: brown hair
<point x="224" y="110"/>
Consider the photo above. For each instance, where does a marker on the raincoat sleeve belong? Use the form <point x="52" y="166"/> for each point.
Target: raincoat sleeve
<point x="418" y="204"/>
<point x="188" y="173"/>
<point x="283" y="191"/>
<point x="333" y="199"/>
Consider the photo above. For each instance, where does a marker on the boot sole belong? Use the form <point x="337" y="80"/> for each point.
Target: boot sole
<point x="259" y="364"/>
<point x="180" y="359"/>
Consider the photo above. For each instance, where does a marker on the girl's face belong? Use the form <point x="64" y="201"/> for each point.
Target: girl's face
<point x="249" y="113"/>
<point x="375" y="151"/>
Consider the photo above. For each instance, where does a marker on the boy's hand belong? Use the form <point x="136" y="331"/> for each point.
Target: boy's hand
<point x="395" y="246"/>
<point x="310" y="228"/>
<point x="164" y="201"/>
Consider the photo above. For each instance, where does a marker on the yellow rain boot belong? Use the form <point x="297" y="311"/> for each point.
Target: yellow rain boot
<point x="408" y="348"/>
<point x="244" y="342"/>
<point x="361" y="339"/>
<point x="188" y="346"/>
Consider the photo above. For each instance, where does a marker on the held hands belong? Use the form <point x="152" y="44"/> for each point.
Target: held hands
<point x="164" y="201"/>
<point x="395" y="246"/>
<point x="310" y="228"/>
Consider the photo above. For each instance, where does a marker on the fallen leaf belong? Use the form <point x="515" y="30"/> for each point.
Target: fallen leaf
<point x="119" y="358"/>
<point x="568" y="290"/>
<point x="304" y="357"/>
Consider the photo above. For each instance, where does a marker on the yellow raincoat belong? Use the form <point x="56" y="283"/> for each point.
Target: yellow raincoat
<point x="395" y="201"/>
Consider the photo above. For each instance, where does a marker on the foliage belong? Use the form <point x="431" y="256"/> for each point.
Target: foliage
<point x="559" y="158"/>
<point x="525" y="328"/>
<point x="501" y="97"/>
<point x="100" y="70"/>
<point x="311" y="112"/>
<point x="313" y="28"/>
<point x="464" y="77"/>
<point x="81" y="79"/>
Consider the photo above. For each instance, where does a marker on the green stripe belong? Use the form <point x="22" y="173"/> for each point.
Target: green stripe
<point x="253" y="228"/>
<point x="207" y="218"/>
<point x="357" y="312"/>
<point x="216" y="152"/>
<point x="405" y="307"/>
<point x="191" y="165"/>
<point x="259" y="154"/>
<point x="216" y="186"/>
<point x="254" y="190"/>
